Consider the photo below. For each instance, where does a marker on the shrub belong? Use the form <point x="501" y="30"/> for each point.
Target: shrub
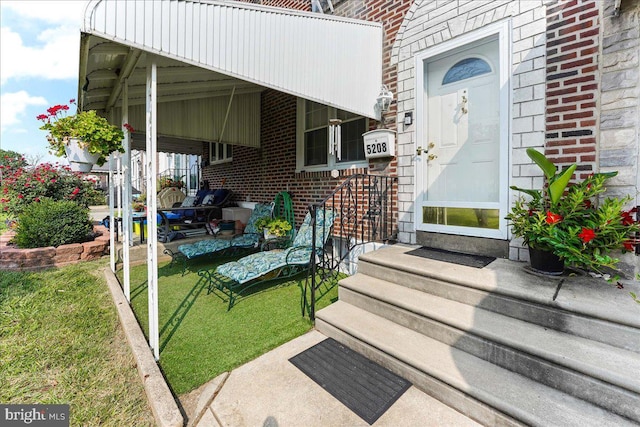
<point x="53" y="223"/>
<point x="10" y="161"/>
<point x="28" y="185"/>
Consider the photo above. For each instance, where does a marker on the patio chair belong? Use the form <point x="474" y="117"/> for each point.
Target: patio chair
<point x="191" y="218"/>
<point x="250" y="239"/>
<point x="237" y="277"/>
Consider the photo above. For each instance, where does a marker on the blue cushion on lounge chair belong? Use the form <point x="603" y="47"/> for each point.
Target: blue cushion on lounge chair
<point x="259" y="264"/>
<point x="219" y="195"/>
<point x="210" y="246"/>
<point x="202" y="247"/>
<point x="171" y="216"/>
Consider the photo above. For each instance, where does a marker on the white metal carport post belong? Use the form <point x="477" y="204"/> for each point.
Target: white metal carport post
<point x="152" y="207"/>
<point x="126" y="194"/>
<point x="112" y="217"/>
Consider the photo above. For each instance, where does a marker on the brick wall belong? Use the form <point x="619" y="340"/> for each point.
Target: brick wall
<point x="573" y="29"/>
<point x="259" y="174"/>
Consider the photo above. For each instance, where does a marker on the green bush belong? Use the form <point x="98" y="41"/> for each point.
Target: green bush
<point x="53" y="223"/>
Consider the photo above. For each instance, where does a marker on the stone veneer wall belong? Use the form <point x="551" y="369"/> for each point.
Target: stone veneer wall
<point x="14" y="259"/>
<point x="429" y="23"/>
<point x="619" y="145"/>
<point x="619" y="142"/>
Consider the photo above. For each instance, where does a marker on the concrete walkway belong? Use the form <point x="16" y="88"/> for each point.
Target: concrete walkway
<point x="271" y="392"/>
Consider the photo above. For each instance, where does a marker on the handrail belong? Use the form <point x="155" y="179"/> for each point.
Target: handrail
<point x="365" y="208"/>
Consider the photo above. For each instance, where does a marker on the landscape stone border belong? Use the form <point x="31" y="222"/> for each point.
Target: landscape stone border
<point x="14" y="259"/>
<point x="163" y="404"/>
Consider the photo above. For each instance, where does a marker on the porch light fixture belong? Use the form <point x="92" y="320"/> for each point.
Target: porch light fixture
<point x="383" y="101"/>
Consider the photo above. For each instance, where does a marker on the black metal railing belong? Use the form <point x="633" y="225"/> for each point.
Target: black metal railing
<point x="365" y="214"/>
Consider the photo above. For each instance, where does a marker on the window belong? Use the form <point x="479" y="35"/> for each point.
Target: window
<point x="313" y="138"/>
<point x="220" y="153"/>
<point x="465" y="69"/>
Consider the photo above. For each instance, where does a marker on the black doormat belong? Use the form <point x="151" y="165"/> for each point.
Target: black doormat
<point x="360" y="384"/>
<point x="477" y="261"/>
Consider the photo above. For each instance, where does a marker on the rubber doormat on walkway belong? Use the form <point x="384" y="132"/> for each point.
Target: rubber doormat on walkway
<point x="477" y="261"/>
<point x="360" y="384"/>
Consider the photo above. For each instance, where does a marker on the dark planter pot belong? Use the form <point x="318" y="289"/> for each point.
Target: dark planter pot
<point x="545" y="262"/>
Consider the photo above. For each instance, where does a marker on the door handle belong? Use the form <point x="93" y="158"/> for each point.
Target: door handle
<point x="419" y="150"/>
<point x="432" y="156"/>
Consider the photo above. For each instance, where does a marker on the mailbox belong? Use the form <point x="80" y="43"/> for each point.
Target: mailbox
<point x="379" y="143"/>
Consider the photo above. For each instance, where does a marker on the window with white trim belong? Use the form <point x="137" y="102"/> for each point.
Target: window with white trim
<point x="220" y="153"/>
<point x="313" y="153"/>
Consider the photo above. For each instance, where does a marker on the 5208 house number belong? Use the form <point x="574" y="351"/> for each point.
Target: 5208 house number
<point x="379" y="143"/>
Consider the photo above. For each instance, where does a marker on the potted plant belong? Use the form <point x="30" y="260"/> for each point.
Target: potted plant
<point x="273" y="227"/>
<point x="84" y="138"/>
<point x="166" y="182"/>
<point x="568" y="222"/>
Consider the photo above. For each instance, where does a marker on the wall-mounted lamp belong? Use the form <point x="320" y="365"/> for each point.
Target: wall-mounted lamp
<point x="408" y="118"/>
<point x="383" y="101"/>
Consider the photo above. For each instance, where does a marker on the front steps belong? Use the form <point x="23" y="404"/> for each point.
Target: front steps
<point x="492" y="343"/>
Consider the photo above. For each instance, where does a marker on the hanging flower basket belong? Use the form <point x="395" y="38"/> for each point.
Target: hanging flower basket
<point x="85" y="138"/>
<point x="79" y="157"/>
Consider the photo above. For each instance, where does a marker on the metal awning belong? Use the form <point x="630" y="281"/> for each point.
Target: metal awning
<point x="207" y="50"/>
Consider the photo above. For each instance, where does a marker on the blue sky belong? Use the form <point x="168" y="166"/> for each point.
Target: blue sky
<point x="39" y="55"/>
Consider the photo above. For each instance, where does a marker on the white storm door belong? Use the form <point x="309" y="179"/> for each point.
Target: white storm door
<point x="460" y="151"/>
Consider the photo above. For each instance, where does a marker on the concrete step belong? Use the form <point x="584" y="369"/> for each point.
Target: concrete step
<point x="582" y="306"/>
<point x="593" y="371"/>
<point x="482" y="390"/>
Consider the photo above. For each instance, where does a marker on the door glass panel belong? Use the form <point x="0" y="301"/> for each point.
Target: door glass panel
<point x="465" y="69"/>
<point x="462" y="217"/>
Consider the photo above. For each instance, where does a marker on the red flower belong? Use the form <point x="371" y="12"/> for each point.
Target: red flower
<point x="627" y="217"/>
<point x="553" y="218"/>
<point x="587" y="204"/>
<point x="587" y="235"/>
<point x="42" y="117"/>
<point x="128" y="127"/>
<point x="75" y="191"/>
<point x="532" y="212"/>
<point x="629" y="245"/>
<point x="20" y="196"/>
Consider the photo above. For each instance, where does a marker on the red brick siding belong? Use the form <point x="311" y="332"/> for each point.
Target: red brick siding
<point x="259" y="174"/>
<point x="573" y="29"/>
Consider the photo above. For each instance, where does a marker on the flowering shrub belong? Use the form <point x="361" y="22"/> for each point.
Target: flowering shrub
<point x="10" y="161"/>
<point x="93" y="131"/>
<point x="569" y="223"/>
<point x="24" y="186"/>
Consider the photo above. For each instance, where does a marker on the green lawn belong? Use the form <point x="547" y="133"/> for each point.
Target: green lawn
<point x="61" y="343"/>
<point x="199" y="338"/>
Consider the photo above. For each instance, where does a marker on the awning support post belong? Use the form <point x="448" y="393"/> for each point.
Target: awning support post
<point x="152" y="206"/>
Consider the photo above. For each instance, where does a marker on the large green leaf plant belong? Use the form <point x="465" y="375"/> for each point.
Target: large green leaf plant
<point x="568" y="220"/>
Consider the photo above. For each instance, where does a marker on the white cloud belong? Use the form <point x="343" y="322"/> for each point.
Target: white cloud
<point x="13" y="106"/>
<point x="53" y="12"/>
<point x="56" y="56"/>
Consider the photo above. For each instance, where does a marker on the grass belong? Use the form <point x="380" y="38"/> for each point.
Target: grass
<point x="200" y="339"/>
<point x="62" y="344"/>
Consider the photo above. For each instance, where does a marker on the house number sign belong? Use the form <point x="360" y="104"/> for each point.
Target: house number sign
<point x="379" y="143"/>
